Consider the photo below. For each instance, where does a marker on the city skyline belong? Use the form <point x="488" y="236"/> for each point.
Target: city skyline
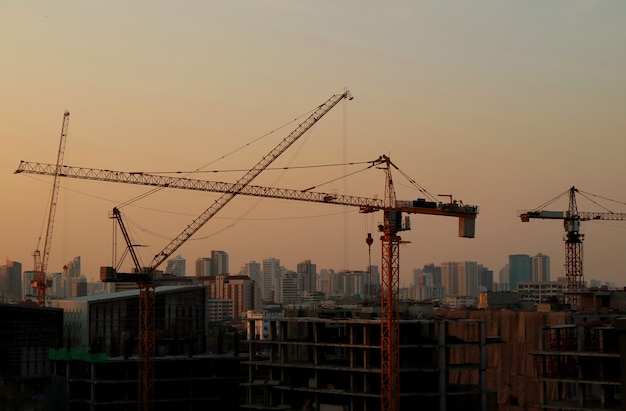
<point x="502" y="105"/>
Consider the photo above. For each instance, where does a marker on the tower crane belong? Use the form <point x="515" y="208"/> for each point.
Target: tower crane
<point x="573" y="239"/>
<point x="41" y="259"/>
<point x="144" y="276"/>
<point x="393" y="223"/>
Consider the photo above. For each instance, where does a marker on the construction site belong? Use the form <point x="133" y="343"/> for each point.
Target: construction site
<point x="152" y="347"/>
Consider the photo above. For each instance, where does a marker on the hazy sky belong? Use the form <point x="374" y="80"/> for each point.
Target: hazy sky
<point x="504" y="104"/>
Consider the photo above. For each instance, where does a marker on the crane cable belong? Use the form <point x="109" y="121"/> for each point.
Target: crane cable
<point x="154" y="190"/>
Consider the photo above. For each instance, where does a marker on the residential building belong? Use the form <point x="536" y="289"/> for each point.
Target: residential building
<point x="540" y="268"/>
<point x="271" y="271"/>
<point x="308" y="273"/>
<point x="288" y="289"/>
<point x="237" y="288"/>
<point x="219" y="263"/>
<point x="203" y="267"/>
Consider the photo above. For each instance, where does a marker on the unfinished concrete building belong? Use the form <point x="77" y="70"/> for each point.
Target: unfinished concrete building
<point x="334" y="364"/>
<point x="579" y="366"/>
<point x="199" y="383"/>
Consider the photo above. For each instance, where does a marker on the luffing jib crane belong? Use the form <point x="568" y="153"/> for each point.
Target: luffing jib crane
<point x="147" y="285"/>
<point x="573" y="239"/>
<point x="41" y="258"/>
<point x="393" y="223"/>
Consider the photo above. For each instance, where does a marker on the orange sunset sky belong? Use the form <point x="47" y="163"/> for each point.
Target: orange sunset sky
<point x="503" y="104"/>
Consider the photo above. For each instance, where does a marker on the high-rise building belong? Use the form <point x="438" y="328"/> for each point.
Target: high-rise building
<point x="252" y="270"/>
<point x="503" y="279"/>
<point x="374" y="279"/>
<point x="219" y="263"/>
<point x="416" y="273"/>
<point x="288" y="288"/>
<point x="271" y="271"/>
<point x="308" y="274"/>
<point x="435" y="271"/>
<point x="540" y="268"/>
<point x="450" y="278"/>
<point x="11" y="279"/>
<point x="519" y="270"/>
<point x="466" y="278"/>
<point x="236" y="288"/>
<point x="355" y="283"/>
<point x="176" y="266"/>
<point x="203" y="266"/>
<point x="73" y="268"/>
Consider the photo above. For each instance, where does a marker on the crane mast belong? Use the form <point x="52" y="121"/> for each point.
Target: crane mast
<point x="41" y="259"/>
<point x="390" y="266"/>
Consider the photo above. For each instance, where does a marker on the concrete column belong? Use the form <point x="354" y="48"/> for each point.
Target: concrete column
<point x="483" y="366"/>
<point x="620" y="326"/>
<point x="443" y="380"/>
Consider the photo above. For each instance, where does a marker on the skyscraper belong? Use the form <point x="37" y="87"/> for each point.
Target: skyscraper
<point x="519" y="270"/>
<point x="435" y="271"/>
<point x="219" y="263"/>
<point x="271" y="271"/>
<point x="308" y="274"/>
<point x="540" y="268"/>
<point x="11" y="279"/>
<point x="203" y="266"/>
<point x="450" y="278"/>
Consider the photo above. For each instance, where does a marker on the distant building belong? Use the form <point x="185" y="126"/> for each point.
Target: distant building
<point x="11" y="279"/>
<point x="503" y="279"/>
<point x="237" y="288"/>
<point x="203" y="267"/>
<point x="416" y="272"/>
<point x="450" y="278"/>
<point x="219" y="263"/>
<point x="538" y="292"/>
<point x="519" y="269"/>
<point x="73" y="268"/>
<point x="288" y="289"/>
<point x="425" y="292"/>
<point x="355" y="283"/>
<point x="176" y="266"/>
<point x="271" y="271"/>
<point x="435" y="271"/>
<point x="540" y="268"/>
<point x="466" y="278"/>
<point x="308" y="273"/>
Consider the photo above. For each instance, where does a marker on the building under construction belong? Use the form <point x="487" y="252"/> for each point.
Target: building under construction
<point x="579" y="366"/>
<point x="334" y="364"/>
